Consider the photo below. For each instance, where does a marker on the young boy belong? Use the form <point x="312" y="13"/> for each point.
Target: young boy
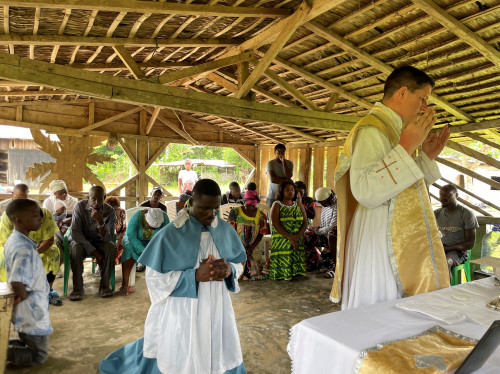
<point x="27" y="277"/>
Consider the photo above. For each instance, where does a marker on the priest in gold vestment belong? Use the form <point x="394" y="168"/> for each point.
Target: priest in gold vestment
<point x="388" y="241"/>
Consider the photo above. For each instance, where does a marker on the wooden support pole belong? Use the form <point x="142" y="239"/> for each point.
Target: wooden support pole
<point x="258" y="167"/>
<point x="318" y="167"/>
<point x="332" y="155"/>
<point x="331" y="102"/>
<point x="466" y="171"/>
<point x="293" y="155"/>
<point x="264" y="178"/>
<point x="152" y="120"/>
<point x="305" y="165"/>
<point x="116" y="190"/>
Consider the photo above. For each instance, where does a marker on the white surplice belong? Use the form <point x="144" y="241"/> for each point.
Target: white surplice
<point x="379" y="171"/>
<point x="192" y="335"/>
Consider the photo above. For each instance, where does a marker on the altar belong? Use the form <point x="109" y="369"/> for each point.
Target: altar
<point x="331" y="343"/>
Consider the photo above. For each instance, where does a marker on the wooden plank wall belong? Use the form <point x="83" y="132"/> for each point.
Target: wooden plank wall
<point x="310" y="165"/>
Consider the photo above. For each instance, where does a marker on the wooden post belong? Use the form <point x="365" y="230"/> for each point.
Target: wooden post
<point x="332" y="154"/>
<point x="258" y="167"/>
<point x="305" y="166"/>
<point x="318" y="168"/>
<point x="264" y="180"/>
<point x="293" y="155"/>
<point x="131" y="190"/>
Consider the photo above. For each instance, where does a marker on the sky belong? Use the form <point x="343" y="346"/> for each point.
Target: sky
<point x="12" y="132"/>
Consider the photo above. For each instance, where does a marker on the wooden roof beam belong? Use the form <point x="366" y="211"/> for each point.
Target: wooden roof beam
<point x="146" y="93"/>
<point x="63" y="40"/>
<point x="384" y="68"/>
<point x="473" y="153"/>
<point x="93" y="126"/>
<point x="468" y="172"/>
<point x="205" y="67"/>
<point x="483" y="125"/>
<point x="129" y="61"/>
<point x="291" y="90"/>
<point x="459" y="29"/>
<point x="289" y="26"/>
<point x="167" y="8"/>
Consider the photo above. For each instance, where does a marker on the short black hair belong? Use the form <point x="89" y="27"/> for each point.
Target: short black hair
<point x="279" y="146"/>
<point x="206" y="187"/>
<point x="300" y="184"/>
<point x="252" y="186"/>
<point x="22" y="187"/>
<point x="19" y="205"/>
<point x="449" y="187"/>
<point x="281" y="189"/>
<point x="408" y="76"/>
<point x="234" y="184"/>
<point x="98" y="189"/>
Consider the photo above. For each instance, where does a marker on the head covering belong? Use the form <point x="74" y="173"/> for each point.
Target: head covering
<point x="156" y="188"/>
<point x="154" y="217"/>
<point x="322" y="193"/>
<point x="57" y="185"/>
<point x="59" y="204"/>
<point x="252" y="198"/>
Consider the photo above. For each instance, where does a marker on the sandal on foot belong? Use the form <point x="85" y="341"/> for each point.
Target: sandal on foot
<point x="75" y="296"/>
<point x="56" y="302"/>
<point x="97" y="273"/>
<point x="105" y="293"/>
<point x="130" y="290"/>
<point x="329" y="274"/>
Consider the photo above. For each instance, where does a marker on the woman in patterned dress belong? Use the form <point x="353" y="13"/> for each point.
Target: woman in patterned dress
<point x="289" y="223"/>
<point x="251" y="225"/>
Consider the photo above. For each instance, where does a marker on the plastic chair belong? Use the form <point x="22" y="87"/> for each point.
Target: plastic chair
<point x="67" y="263"/>
<point x="456" y="272"/>
<point x="171" y="210"/>
<point x="226" y="209"/>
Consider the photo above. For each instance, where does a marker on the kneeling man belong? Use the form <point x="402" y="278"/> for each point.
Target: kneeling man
<point x="191" y="265"/>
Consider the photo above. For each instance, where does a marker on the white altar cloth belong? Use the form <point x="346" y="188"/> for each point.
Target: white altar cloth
<point x="331" y="343"/>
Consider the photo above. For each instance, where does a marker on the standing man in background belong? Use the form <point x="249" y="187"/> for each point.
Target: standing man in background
<point x="278" y="170"/>
<point x="187" y="178"/>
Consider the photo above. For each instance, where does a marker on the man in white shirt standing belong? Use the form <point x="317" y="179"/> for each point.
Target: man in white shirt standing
<point x="187" y="178"/>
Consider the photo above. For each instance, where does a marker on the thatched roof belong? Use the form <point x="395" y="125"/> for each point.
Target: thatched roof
<point x="324" y="56"/>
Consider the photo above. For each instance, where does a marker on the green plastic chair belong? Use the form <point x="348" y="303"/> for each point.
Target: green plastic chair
<point x="456" y="272"/>
<point x="67" y="263"/>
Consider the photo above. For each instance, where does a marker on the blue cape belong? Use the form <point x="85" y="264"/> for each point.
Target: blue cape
<point x="176" y="249"/>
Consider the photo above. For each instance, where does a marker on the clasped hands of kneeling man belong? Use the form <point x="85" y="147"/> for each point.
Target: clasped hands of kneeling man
<point x="213" y="270"/>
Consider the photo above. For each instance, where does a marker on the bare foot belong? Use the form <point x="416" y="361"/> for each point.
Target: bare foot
<point x="124" y="291"/>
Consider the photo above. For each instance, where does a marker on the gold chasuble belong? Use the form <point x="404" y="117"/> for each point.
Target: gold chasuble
<point x="414" y="245"/>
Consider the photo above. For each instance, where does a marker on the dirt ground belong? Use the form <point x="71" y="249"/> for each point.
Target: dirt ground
<point x="85" y="332"/>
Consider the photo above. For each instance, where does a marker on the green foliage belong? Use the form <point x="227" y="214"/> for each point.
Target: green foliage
<point x="112" y="172"/>
<point x="118" y="171"/>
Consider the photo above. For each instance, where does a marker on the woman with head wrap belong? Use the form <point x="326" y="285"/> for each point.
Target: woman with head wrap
<point x="60" y="195"/>
<point x="251" y="225"/>
<point x="143" y="225"/>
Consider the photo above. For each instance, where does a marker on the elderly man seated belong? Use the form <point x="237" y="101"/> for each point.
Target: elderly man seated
<point x="20" y="191"/>
<point x="323" y="236"/>
<point x="92" y="231"/>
